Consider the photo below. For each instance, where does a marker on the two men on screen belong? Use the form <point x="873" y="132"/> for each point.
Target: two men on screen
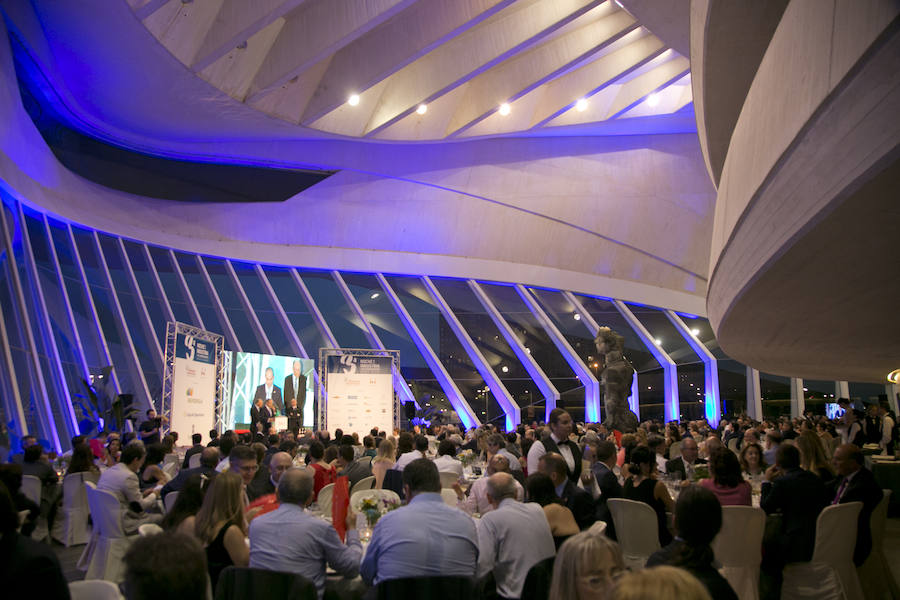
<point x="268" y="401"/>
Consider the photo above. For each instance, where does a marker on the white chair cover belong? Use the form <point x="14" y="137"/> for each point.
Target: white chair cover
<point x="194" y="461"/>
<point x="733" y="445"/>
<point x="31" y="488"/>
<point x="674" y="450"/>
<point x="875" y="574"/>
<point x="636" y="529"/>
<point x="357" y="497"/>
<point x="365" y="460"/>
<point x="149" y="529"/>
<point x="738" y="548"/>
<point x="73" y="527"/>
<point x="448" y="478"/>
<point x="449" y="496"/>
<point x="366" y="483"/>
<point x="109" y="544"/>
<point x="23" y="514"/>
<point x="835" y="533"/>
<point x="169" y="500"/>
<point x="170" y="465"/>
<point x="324" y="499"/>
<point x="94" y="589"/>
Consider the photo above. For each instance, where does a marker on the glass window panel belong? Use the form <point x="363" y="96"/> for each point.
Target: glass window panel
<point x="252" y="286"/>
<point x="732" y="386"/>
<point x="776" y="394"/>
<point x="867" y="392"/>
<point x="703" y="331"/>
<point x="196" y="283"/>
<point x="298" y="313"/>
<point x="606" y="314"/>
<point x="346" y="327"/>
<point x="234" y="308"/>
<point x="148" y="290"/>
<point x="817" y="393"/>
<point x="691" y="399"/>
<point x="491" y="343"/>
<point x="652" y="394"/>
<point x="265" y="312"/>
<point x="172" y="286"/>
<point x="443" y="341"/>
<point x="536" y="341"/>
<point x="393" y="334"/>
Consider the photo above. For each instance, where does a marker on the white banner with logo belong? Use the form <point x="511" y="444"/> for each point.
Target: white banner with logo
<point x="360" y="393"/>
<point x="193" y="387"/>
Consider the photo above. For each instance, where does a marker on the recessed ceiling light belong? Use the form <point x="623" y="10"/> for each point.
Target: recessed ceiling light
<point x="581" y="105"/>
<point x="422" y="109"/>
<point x="653" y="99"/>
<point x="695" y="331"/>
<point x="353" y="100"/>
<point x="504" y="109"/>
<point x="577" y="317"/>
<point x="658" y="342"/>
<point x="374" y="295"/>
<point x="505" y="369"/>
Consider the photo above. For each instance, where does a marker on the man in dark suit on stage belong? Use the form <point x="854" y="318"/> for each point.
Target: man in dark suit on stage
<point x="684" y="465"/>
<point x="295" y="387"/>
<point x="855" y="483"/>
<point x="270" y="390"/>
<point x="255" y="414"/>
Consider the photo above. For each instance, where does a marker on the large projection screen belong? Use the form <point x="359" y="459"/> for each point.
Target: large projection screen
<point x="250" y="371"/>
<point x="359" y="390"/>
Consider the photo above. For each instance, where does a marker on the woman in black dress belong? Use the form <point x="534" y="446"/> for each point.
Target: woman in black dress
<point x="643" y="486"/>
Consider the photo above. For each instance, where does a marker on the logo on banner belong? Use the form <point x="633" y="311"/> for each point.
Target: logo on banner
<point x="191" y="346"/>
<point x="348" y="364"/>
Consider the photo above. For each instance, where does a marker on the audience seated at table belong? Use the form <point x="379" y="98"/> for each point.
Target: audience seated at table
<point x="266" y="479"/>
<point x="11" y="477"/>
<point x="209" y="458"/>
<point x="151" y="474"/>
<point x="752" y="463"/>
<point x="725" y="479"/>
<point x="83" y="462"/>
<point x="220" y="525"/>
<point x="698" y="518"/>
<point x="813" y="456"/>
<point x="643" y="486"/>
<point x="855" y="483"/>
<point x="580" y="502"/>
<point x="477" y="500"/>
<point x="424" y="538"/>
<point x="350" y="467"/>
<point x="169" y="565"/>
<point x="122" y="481"/>
<point x="540" y="489"/>
<point x="291" y="540"/>
<point x="607" y="484"/>
<point x="446" y="460"/>
<point x="684" y="466"/>
<point x="323" y="472"/>
<point x="383" y="461"/>
<point x="181" y="517"/>
<point x="587" y="565"/>
<point x="420" y="445"/>
<point x="659" y="582"/>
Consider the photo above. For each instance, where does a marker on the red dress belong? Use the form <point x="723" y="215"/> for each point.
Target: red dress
<point x="323" y="475"/>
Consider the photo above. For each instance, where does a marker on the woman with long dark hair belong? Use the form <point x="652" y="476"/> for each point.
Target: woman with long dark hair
<point x="643" y="486"/>
<point x="182" y="516"/>
<point x="221" y="527"/>
<point x="725" y="479"/>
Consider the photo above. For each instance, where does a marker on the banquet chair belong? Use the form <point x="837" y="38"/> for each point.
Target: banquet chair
<point x="73" y="528"/>
<point x="433" y="588"/>
<point x="240" y="583"/>
<point x="674" y="450"/>
<point x="194" y="461"/>
<point x="637" y="530"/>
<point x="537" y="582"/>
<point x="31" y="488"/>
<point x="875" y="574"/>
<point x="109" y="543"/>
<point x="94" y="589"/>
<point x="738" y="548"/>
<point x="170" y="465"/>
<point x="366" y="483"/>
<point x="357" y="497"/>
<point x="449" y="497"/>
<point x="149" y="529"/>
<point x="324" y="499"/>
<point x="830" y="573"/>
<point x="393" y="480"/>
<point x="365" y="460"/>
<point x="169" y="500"/>
<point x="448" y="478"/>
<point x="23" y="516"/>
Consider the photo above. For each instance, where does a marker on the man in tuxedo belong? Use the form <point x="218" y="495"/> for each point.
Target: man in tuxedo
<point x="269" y="390"/>
<point x="560" y="423"/>
<point x="576" y="499"/>
<point x="255" y="414"/>
<point x="684" y="465"/>
<point x="607" y="482"/>
<point x="267" y="414"/>
<point x="855" y="483"/>
<point x="295" y="388"/>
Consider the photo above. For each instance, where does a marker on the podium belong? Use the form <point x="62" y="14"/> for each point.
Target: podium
<point x="280" y="423"/>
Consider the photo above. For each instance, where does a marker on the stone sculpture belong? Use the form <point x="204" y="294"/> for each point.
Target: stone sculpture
<point x="616" y="375"/>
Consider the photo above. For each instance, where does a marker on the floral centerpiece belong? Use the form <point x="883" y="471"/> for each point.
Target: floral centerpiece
<point x="701" y="472"/>
<point x="466" y="457"/>
<point x="374" y="507"/>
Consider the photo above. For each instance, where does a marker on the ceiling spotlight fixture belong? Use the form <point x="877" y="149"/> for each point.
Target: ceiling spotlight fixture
<point x="504" y="109"/>
<point x="653" y="99"/>
<point x="894" y="376"/>
<point x="581" y="105"/>
<point x="577" y="317"/>
<point x="374" y="295"/>
<point x="695" y="331"/>
<point x="658" y="342"/>
<point x="505" y="369"/>
<point x="422" y="109"/>
<point x="353" y="100"/>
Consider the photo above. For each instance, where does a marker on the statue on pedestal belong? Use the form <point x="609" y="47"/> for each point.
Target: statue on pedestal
<point x="616" y="375"/>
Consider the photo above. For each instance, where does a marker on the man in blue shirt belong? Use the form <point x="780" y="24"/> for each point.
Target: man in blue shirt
<point x="426" y="538"/>
<point x="289" y="539"/>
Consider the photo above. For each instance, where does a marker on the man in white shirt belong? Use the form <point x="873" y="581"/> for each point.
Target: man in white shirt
<point x="122" y="481"/>
<point x="887" y="430"/>
<point x="512" y="538"/>
<point x="446" y="462"/>
<point x="560" y="423"/>
<point x="421" y="445"/>
<point x="477" y="500"/>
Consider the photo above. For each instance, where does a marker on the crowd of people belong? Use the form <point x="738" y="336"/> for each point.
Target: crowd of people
<point x="539" y="496"/>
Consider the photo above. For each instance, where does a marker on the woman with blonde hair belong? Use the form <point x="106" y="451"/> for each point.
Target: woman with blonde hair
<point x="586" y="567"/>
<point x="384" y="460"/>
<point x="659" y="582"/>
<point x="813" y="457"/>
<point x="221" y="527"/>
